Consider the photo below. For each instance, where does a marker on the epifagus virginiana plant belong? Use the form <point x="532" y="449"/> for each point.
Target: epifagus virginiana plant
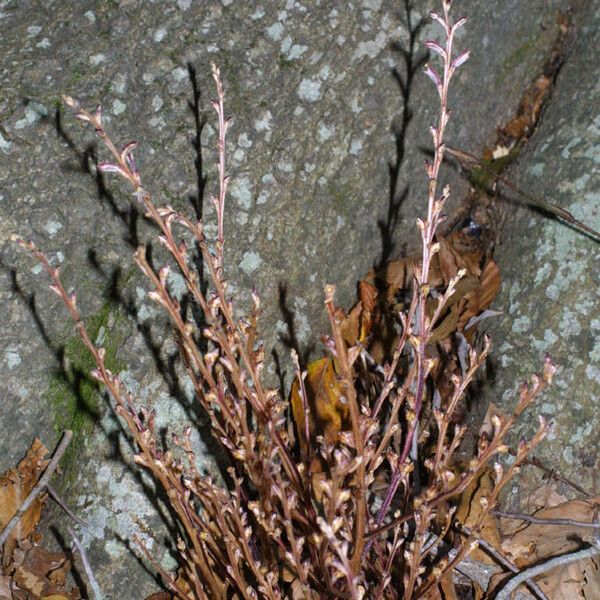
<point x="366" y="513"/>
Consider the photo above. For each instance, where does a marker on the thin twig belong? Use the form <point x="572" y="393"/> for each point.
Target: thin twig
<point x="474" y="570"/>
<point x="557" y="476"/>
<point x="471" y="162"/>
<point x="541" y="521"/>
<point x="39" y="487"/>
<point x="94" y="587"/>
<point x="54" y="495"/>
<point x="557" y="561"/>
<point x="505" y="562"/>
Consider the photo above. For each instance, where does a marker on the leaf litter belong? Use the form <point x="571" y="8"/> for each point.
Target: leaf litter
<point x="28" y="570"/>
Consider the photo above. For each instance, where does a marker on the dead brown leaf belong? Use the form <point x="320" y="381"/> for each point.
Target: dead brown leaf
<point x="328" y="415"/>
<point x="534" y="543"/>
<point x="441" y="590"/>
<point x="471" y="514"/>
<point x="15" y="485"/>
<point x="544" y="496"/>
<point x="29" y="571"/>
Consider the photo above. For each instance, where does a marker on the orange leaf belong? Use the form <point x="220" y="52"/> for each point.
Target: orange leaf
<point x="328" y="415"/>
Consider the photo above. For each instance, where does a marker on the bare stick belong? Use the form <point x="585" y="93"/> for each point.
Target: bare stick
<point x="505" y="562"/>
<point x="54" y="495"/>
<point x="554" y="474"/>
<point x="470" y="162"/>
<point x="40" y="486"/>
<point x="94" y="587"/>
<point x="557" y="561"/>
<point x="541" y="521"/>
<point x="474" y="570"/>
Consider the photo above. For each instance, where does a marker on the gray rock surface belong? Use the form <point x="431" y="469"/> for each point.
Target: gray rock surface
<point x="331" y="115"/>
<point x="551" y="298"/>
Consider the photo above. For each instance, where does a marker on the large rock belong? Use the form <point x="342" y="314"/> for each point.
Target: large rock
<point x="331" y="116"/>
<point x="551" y="298"/>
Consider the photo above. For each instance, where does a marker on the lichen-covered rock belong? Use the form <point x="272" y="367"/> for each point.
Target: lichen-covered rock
<point x="551" y="298"/>
<point x="326" y="150"/>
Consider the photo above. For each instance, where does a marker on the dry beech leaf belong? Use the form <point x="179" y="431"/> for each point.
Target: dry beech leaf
<point x="5" y="591"/>
<point x="448" y="588"/>
<point x="489" y="285"/>
<point x="31" y="570"/>
<point x="573" y="581"/>
<point x="535" y="542"/>
<point x="544" y="496"/>
<point x="41" y="572"/>
<point x="470" y="512"/>
<point x="442" y="590"/>
<point x="462" y="305"/>
<point x="517" y="128"/>
<point x="28" y="581"/>
<point x="15" y="485"/>
<point x="397" y="275"/>
<point x="357" y="325"/>
<point x="521" y="126"/>
<point x="328" y="414"/>
<point x="486" y="430"/>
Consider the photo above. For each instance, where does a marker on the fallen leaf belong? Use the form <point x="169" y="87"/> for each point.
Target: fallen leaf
<point x="327" y="414"/>
<point x="535" y="542"/>
<point x="356" y="326"/>
<point x="470" y="513"/>
<point x="15" y="485"/>
<point x="545" y="496"/>
<point x="442" y="590"/>
<point x="489" y="283"/>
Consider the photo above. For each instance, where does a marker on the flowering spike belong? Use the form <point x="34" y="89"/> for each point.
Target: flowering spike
<point x="55" y="289"/>
<point x="126" y="152"/>
<point x="434" y="134"/>
<point x="549" y="369"/>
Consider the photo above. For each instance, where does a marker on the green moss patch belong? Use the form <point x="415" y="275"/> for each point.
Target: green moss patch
<point x="73" y="393"/>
